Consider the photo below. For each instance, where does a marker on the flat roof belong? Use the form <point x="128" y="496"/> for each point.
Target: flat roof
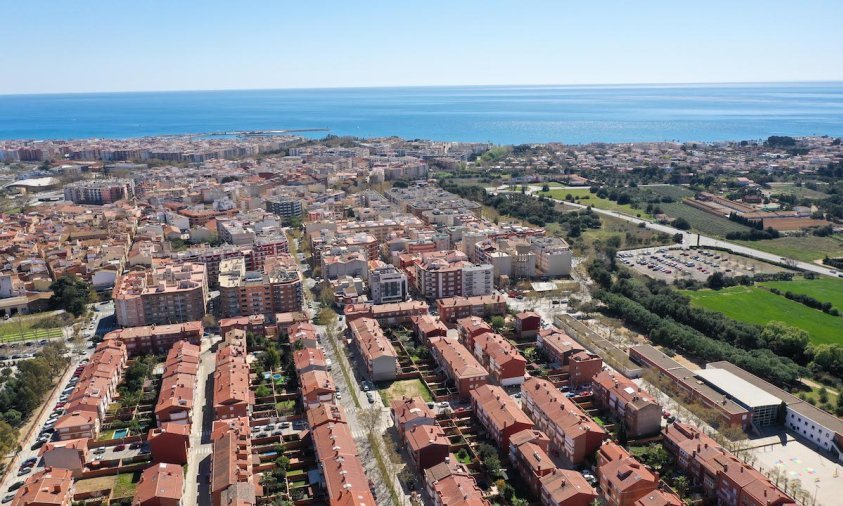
<point x="738" y="388"/>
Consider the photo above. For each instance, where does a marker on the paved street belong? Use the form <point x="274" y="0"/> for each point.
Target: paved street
<point x="358" y="430"/>
<point x="199" y="457"/>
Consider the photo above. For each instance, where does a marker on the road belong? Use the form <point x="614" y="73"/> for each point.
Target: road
<point x="689" y="239"/>
<point x="196" y="486"/>
<point x="46" y="410"/>
<point x="347" y="391"/>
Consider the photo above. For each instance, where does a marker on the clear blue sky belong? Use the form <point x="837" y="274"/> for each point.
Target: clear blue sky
<point x="79" y="46"/>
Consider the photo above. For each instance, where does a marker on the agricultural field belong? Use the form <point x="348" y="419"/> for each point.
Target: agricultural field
<point x="807" y="248"/>
<point x="675" y="192"/>
<point x="585" y="197"/>
<point x="823" y="289"/>
<point x="753" y="304"/>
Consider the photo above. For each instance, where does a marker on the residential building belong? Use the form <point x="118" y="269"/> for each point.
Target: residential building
<point x="451" y="484"/>
<point x="160" y="485"/>
<point x="316" y="387"/>
<point x="387" y="285"/>
<point x="232" y="479"/>
<point x="428" y="326"/>
<point x="455" y="308"/>
<point x="276" y="289"/>
<point x="528" y="453"/>
<point x="527" y="324"/>
<point x="304" y="333"/>
<point x="345" y="480"/>
<point x="399" y="313"/>
<point x="178" y="384"/>
<point x="573" y="435"/>
<point x="169" y="443"/>
<point x="407" y="412"/>
<point x="99" y="191"/>
<point x="627" y="402"/>
<point x="563" y="487"/>
<point x="459" y="365"/>
<point x="375" y="349"/>
<point x="288" y="207"/>
<point x="498" y="413"/>
<point x="157" y="339"/>
<point x="501" y="358"/>
<point x="569" y="355"/>
<point x="623" y="479"/>
<point x="50" y="487"/>
<point x="232" y="396"/>
<point x="723" y="477"/>
<point x="427" y="445"/>
<point x="553" y="256"/>
<point x="471" y="327"/>
<point x="161" y="295"/>
<point x="71" y="454"/>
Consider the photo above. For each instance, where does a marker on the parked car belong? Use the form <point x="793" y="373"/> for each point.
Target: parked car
<point x="8" y="498"/>
<point x="119" y="448"/>
<point x="99" y="451"/>
<point x="24" y="471"/>
<point x="29" y="462"/>
<point x="370" y="397"/>
<point x="16" y="485"/>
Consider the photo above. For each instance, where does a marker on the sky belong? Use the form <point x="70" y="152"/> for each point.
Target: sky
<point x="106" y="46"/>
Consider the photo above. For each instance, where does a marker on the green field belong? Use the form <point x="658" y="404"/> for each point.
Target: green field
<point x="799" y="191"/>
<point x="756" y="305"/>
<point x="822" y="289"/>
<point x="677" y="193"/>
<point x="808" y="248"/>
<point x="587" y="198"/>
<point x="20" y="328"/>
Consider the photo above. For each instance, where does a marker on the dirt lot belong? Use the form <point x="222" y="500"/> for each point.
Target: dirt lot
<point x="409" y="388"/>
<point x="670" y="264"/>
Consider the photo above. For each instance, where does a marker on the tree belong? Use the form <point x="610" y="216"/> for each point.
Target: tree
<point x="8" y="438"/>
<point x="716" y="281"/>
<point x="72" y="294"/>
<point x="654" y="456"/>
<point x="491" y="461"/>
<point x="545" y="188"/>
<point x="681" y="485"/>
<point x="208" y="321"/>
<point x="263" y="391"/>
<point x="370" y="419"/>
<point x="326" y="295"/>
<point x="785" y="340"/>
<point x="497" y="323"/>
<point x="681" y="224"/>
<point x="53" y="354"/>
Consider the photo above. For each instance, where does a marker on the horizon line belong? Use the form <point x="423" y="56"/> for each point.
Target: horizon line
<point x="316" y="88"/>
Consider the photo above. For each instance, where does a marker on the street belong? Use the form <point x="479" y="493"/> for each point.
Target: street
<point x="197" y="491"/>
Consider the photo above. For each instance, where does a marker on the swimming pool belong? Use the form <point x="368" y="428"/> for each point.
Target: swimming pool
<point x="121" y="433"/>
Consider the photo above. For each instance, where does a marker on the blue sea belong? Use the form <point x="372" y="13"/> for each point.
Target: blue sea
<point x="498" y="114"/>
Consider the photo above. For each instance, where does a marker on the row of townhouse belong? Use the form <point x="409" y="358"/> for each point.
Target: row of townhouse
<point x="453" y="308"/>
<point x="640" y="413"/>
<point x="232" y="396"/>
<point x="573" y="434"/>
<point x="232" y="478"/>
<point x="416" y="425"/>
<point x="49" y="487"/>
<point x="87" y="404"/>
<point x="178" y="384"/>
<point x="554" y="486"/>
<point x="506" y="365"/>
<point x="624" y="481"/>
<point x="343" y="475"/>
<point x="722" y="476"/>
<point x="459" y="365"/>
<point x="569" y="355"/>
<point x="398" y="313"/>
<point x="157" y="339"/>
<point x="375" y="349"/>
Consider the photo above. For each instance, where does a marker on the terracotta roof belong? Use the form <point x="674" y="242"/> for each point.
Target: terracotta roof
<point x="50" y="486"/>
<point x="161" y="481"/>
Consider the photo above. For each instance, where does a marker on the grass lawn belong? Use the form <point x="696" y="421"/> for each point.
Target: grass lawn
<point x="20" y="328"/>
<point x="823" y="289"/>
<point x="807" y="249"/>
<point x="125" y="484"/>
<point x="409" y="388"/>
<point x="756" y="305"/>
<point x="815" y="395"/>
<point x="587" y="198"/>
<point x="106" y="435"/>
<point x="95" y="484"/>
<point x="799" y="191"/>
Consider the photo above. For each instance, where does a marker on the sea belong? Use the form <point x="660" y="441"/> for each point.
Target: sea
<point x="496" y="114"/>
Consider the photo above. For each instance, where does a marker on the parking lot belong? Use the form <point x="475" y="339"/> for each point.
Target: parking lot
<point x="670" y="264"/>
